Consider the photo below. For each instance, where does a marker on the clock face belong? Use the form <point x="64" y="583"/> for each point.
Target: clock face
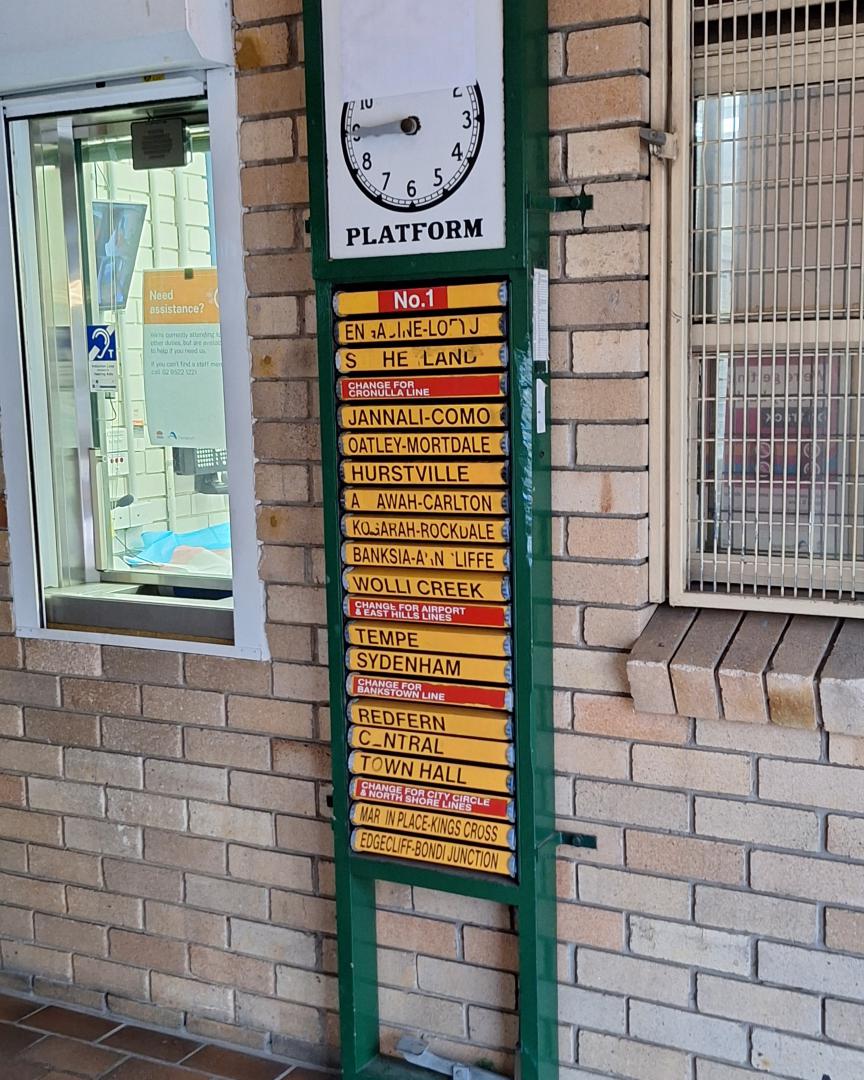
<point x="411" y="153"/>
<point x="413" y="127"/>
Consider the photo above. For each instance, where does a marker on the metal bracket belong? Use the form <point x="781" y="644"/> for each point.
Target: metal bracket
<point x="661" y="144"/>
<point x="563" y="204"/>
<point x="577" y="839"/>
<point x="417" y="1052"/>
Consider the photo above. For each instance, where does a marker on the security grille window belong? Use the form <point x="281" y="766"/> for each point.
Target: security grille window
<point x="122" y="332"/>
<point x="771" y="474"/>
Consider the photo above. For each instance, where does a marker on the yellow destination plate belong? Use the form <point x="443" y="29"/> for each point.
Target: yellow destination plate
<point x="425" y="473"/>
<point x="425" y="849"/>
<point x="426" y="823"/>
<point x="415" y="556"/>
<point x="426" y="444"/>
<point x="484" y="751"/>
<point x="413" y="298"/>
<point x="429" y="665"/>
<point x="423" y="358"/>
<point x="421" y="328"/>
<point x="427" y="529"/>
<point x="439" y="586"/>
<point x="437" y="719"/>
<point x="457" y="639"/>
<point x="424" y="771"/>
<point x="429" y="501"/>
<point x="435" y="417"/>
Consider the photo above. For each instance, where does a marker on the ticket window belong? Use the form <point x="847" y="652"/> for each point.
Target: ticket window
<point x="123" y="370"/>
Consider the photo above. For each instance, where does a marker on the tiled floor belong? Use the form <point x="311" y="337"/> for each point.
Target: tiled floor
<point x="45" y="1042"/>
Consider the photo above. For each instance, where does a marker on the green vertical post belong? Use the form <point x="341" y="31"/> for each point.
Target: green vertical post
<point x="533" y="894"/>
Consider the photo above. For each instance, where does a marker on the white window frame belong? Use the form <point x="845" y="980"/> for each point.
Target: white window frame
<point x="676" y="292"/>
<point x="218" y="85"/>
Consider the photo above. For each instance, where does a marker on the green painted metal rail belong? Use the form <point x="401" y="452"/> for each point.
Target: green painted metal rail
<point x="533" y="893"/>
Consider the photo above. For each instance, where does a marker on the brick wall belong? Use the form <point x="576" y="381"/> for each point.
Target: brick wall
<point x="164" y="846"/>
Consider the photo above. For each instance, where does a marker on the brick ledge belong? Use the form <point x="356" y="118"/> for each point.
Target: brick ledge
<point x="800" y="671"/>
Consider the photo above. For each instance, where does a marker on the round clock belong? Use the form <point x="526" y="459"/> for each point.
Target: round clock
<point x="408" y="154"/>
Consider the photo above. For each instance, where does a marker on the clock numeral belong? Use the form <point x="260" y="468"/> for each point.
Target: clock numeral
<point x="457" y="152"/>
<point x="386" y="176"/>
<point x="354" y="129"/>
<point x="468" y="119"/>
<point x="411" y="188"/>
<point x="457" y="92"/>
<point x="366" y="161"/>
<point x="439" y="178"/>
<point x="366" y="103"/>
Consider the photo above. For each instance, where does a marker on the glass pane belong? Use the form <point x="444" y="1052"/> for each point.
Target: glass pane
<point x="777" y="470"/>
<point x="152" y="280"/>
<point x="778" y="202"/>
<point x="124" y="367"/>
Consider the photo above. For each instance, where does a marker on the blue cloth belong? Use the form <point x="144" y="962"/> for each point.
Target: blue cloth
<point x="159" y="547"/>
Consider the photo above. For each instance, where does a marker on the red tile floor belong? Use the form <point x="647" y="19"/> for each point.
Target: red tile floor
<point x="45" y="1042"/>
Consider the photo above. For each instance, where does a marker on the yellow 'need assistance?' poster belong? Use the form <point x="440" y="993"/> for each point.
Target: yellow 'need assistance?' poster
<point x="183" y="358"/>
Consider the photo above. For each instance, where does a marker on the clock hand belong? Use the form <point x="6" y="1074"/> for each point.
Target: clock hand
<point x="409" y="126"/>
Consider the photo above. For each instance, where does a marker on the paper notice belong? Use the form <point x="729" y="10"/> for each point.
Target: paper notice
<point x="396" y="47"/>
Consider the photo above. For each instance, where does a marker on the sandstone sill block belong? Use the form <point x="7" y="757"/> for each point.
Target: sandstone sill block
<point x="648" y="665"/>
<point x="793" y="694"/>
<point x="742" y="670"/>
<point x="842" y="682"/>
<point x="694" y="668"/>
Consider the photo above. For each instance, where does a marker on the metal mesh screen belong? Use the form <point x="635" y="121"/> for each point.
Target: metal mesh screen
<point x="775" y="392"/>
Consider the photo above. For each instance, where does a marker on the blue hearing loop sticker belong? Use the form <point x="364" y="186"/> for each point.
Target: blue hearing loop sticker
<point x="102" y="357"/>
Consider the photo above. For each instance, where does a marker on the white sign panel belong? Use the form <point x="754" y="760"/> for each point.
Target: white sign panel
<point x="183" y="359"/>
<point x="414" y="113"/>
<point x="380" y="60"/>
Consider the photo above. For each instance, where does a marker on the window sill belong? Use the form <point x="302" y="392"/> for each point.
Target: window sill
<point x="799" y="671"/>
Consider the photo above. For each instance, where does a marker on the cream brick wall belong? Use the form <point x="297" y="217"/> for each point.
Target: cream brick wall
<point x="165" y="850"/>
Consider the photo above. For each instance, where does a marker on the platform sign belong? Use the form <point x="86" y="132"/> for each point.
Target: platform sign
<point x="439" y="720"/>
<point x="438" y="328"/>
<point x="426" y="501"/>
<point x="426" y="564"/>
<point x="420" y="387"/>
<point x="427" y="585"/>
<point x="424" y="473"/>
<point x="427" y="418"/>
<point x="463" y="856"/>
<point x="458" y="357"/>
<point x="381" y="635"/>
<point x="425" y="444"/>
<point x="472" y="803"/>
<point x="451" y="297"/>
<point x="427" y="529"/>
<point x="430" y="692"/>
<point x="454" y="774"/>
<point x="432" y="746"/>
<point x="429" y="223"/>
<point x="422" y="665"/>
<point x="421" y="557"/>
<point x="362" y="607"/>
<point x="426" y="823"/>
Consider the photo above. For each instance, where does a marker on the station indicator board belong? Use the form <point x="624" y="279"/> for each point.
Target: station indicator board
<point x="429" y="221"/>
<point x="424" y="472"/>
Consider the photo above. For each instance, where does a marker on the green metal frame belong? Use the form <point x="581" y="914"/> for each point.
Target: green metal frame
<point x="533" y="894"/>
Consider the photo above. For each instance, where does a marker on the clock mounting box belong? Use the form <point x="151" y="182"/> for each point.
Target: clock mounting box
<point x="413" y="127"/>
